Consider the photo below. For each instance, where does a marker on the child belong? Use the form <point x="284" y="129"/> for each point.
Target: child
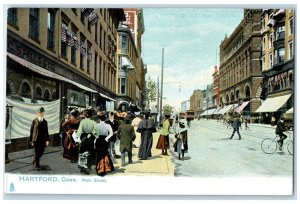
<point x="181" y="143"/>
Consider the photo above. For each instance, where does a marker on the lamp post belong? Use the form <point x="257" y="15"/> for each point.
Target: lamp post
<point x="162" y="82"/>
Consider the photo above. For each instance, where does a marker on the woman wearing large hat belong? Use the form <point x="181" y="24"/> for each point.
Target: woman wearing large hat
<point x="163" y="140"/>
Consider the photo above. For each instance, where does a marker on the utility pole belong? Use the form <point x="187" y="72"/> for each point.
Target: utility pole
<point x="158" y="110"/>
<point x="162" y="82"/>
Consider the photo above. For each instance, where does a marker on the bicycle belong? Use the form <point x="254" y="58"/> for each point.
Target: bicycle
<point x="269" y="146"/>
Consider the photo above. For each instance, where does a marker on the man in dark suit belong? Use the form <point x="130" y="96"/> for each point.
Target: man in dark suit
<point x="280" y="128"/>
<point x="39" y="137"/>
<point x="236" y="125"/>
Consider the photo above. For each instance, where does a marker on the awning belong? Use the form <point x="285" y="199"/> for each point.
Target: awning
<point x="47" y="73"/>
<point x="241" y="107"/>
<point x="291" y="110"/>
<point x="107" y="97"/>
<point x="279" y="14"/>
<point x="125" y="62"/>
<point x="220" y="110"/>
<point x="216" y="111"/>
<point x="273" y="104"/>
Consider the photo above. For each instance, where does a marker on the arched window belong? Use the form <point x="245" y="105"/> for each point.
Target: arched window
<point x="247" y="92"/>
<point x="46" y="95"/>
<point x="232" y="97"/>
<point x="38" y="92"/>
<point x="227" y="98"/>
<point x="25" y="90"/>
<point x="54" y="95"/>
<point x="237" y="94"/>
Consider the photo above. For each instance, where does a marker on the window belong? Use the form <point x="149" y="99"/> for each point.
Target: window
<point x="73" y="55"/>
<point x="38" y="93"/>
<point x="291" y="25"/>
<point x="104" y="41"/>
<point x="264" y="43"/>
<point x="82" y="53"/>
<point x="34" y="23"/>
<point x="89" y="59"/>
<point x="12" y="16"/>
<point x="51" y="31"/>
<point x="122" y="85"/>
<point x="25" y="90"/>
<point x="291" y="52"/>
<point x="124" y="42"/>
<point x="95" y="65"/>
<point x="82" y="17"/>
<point x="100" y="37"/>
<point x="280" y="33"/>
<point x="100" y="69"/>
<point x="263" y="63"/>
<point x="74" y="10"/>
<point x="270" y="61"/>
<point x="281" y="54"/>
<point x="64" y="40"/>
<point x="46" y="95"/>
<point x="96" y="33"/>
<point x="271" y="40"/>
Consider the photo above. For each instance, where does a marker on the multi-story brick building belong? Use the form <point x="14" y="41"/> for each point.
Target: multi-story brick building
<point x="63" y="54"/>
<point x="240" y="70"/>
<point x="216" y="79"/>
<point x="277" y="60"/>
<point x="196" y="102"/>
<point x="133" y="81"/>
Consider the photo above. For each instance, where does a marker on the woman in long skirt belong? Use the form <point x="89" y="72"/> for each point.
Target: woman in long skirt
<point x="180" y="145"/>
<point x="70" y="146"/>
<point x="104" y="163"/>
<point x="163" y="140"/>
<point x="146" y="128"/>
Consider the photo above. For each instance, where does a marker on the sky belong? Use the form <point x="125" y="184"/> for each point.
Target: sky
<point x="191" y="38"/>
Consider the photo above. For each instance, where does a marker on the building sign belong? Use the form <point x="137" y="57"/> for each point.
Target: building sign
<point x="130" y="21"/>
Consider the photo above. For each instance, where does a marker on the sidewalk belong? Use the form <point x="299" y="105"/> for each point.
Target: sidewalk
<point x="157" y="165"/>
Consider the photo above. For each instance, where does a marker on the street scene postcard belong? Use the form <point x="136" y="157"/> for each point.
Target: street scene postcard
<point x="185" y="101"/>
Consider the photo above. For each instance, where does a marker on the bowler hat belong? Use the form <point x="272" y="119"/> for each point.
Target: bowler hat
<point x="41" y="110"/>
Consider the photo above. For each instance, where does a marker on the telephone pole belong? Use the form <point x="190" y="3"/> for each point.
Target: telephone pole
<point x="162" y="82"/>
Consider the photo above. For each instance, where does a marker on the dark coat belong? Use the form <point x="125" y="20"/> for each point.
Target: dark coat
<point x="236" y="124"/>
<point x="280" y="128"/>
<point x="126" y="134"/>
<point x="39" y="134"/>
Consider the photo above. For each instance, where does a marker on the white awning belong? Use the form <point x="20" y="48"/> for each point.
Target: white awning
<point x="107" y="97"/>
<point x="291" y="110"/>
<point x="241" y="107"/>
<point x="273" y="104"/>
<point x="47" y="73"/>
<point x="125" y="62"/>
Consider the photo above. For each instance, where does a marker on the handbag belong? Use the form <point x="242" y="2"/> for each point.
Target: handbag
<point x="75" y="138"/>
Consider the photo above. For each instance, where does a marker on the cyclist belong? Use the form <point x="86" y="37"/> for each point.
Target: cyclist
<point x="280" y="128"/>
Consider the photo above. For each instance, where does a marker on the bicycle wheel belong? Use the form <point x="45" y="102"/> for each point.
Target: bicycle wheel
<point x="268" y="146"/>
<point x="290" y="147"/>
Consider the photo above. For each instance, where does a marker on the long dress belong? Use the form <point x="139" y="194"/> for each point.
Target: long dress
<point x="181" y="143"/>
<point x="163" y="140"/>
<point x="146" y="128"/>
<point x="104" y="163"/>
<point x="70" y="147"/>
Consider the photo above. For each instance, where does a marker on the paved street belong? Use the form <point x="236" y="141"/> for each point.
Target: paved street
<point x="212" y="154"/>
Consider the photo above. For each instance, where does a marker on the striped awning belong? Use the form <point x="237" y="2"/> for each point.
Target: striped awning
<point x="273" y="104"/>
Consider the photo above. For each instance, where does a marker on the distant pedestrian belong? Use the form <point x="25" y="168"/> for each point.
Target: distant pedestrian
<point x="236" y="126"/>
<point x="163" y="140"/>
<point x="146" y="128"/>
<point x="70" y="147"/>
<point x="39" y="137"/>
<point x="104" y="162"/>
<point x="181" y="143"/>
<point x="247" y="120"/>
<point x="126" y="134"/>
<point x="280" y="128"/>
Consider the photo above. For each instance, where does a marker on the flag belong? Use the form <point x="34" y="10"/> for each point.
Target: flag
<point x="82" y="48"/>
<point x="86" y="11"/>
<point x="70" y="39"/>
<point x="64" y="33"/>
<point x="90" y="54"/>
<point x="93" y="18"/>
